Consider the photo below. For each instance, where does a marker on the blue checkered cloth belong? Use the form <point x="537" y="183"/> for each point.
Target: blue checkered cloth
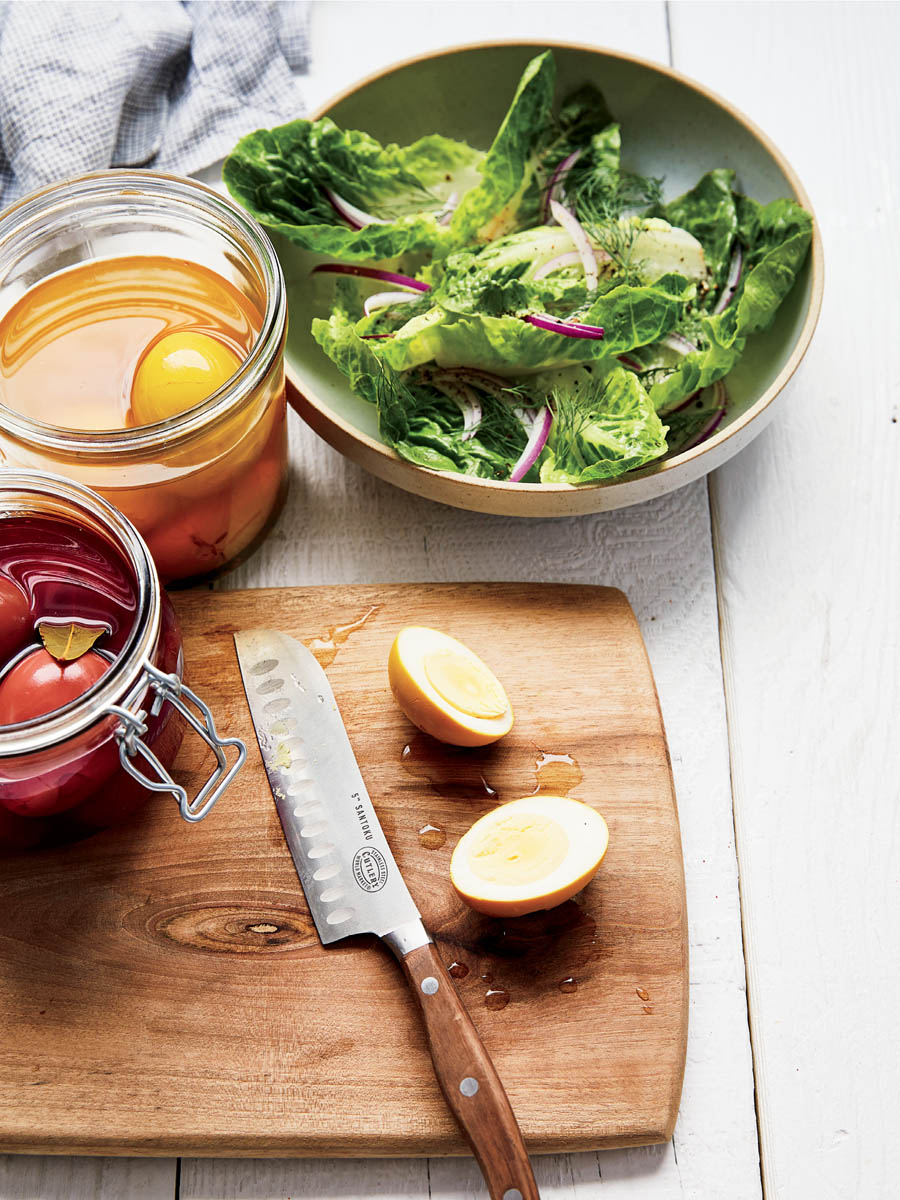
<point x="150" y="83"/>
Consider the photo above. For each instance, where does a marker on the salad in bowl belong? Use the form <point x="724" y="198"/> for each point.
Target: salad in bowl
<point x="536" y="312"/>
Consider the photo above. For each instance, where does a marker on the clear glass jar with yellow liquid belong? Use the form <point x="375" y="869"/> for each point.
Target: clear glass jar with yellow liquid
<point x="142" y="327"/>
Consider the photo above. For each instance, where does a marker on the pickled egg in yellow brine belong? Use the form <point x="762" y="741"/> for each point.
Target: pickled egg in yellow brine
<point x="447" y="690"/>
<point x="529" y="854"/>
<point x="176" y="372"/>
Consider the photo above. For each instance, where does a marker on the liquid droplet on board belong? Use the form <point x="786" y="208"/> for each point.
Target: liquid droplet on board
<point x="642" y="994"/>
<point x="458" y="970"/>
<point x="556" y="774"/>
<point x="568" y="986"/>
<point x="496" y="998"/>
<point x="326" y="647"/>
<point x="450" y="771"/>
<point x="432" y="837"/>
<point x="647" y="1008"/>
<point x="487" y="977"/>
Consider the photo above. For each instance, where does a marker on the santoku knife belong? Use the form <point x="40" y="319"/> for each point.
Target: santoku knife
<point x="352" y="884"/>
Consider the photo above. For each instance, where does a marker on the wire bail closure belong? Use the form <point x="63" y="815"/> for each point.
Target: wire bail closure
<point x="132" y="727"/>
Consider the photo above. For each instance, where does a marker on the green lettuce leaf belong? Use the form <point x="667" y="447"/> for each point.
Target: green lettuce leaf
<point x="631" y="316"/>
<point x="777" y="242"/>
<point x="581" y="118"/>
<point x="420" y="423"/>
<point x="508" y="195"/>
<point x="709" y="212"/>
<point x="280" y="176"/>
<point x="604" y="425"/>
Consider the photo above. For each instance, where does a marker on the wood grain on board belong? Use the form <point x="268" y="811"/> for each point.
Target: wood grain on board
<point x="169" y="992"/>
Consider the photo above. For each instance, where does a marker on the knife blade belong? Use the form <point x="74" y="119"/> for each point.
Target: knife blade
<point x="352" y="884"/>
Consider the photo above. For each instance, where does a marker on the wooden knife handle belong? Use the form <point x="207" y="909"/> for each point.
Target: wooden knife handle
<point x="468" y="1079"/>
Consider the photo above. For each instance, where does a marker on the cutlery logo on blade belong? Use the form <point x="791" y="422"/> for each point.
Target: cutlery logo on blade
<point x="370" y="869"/>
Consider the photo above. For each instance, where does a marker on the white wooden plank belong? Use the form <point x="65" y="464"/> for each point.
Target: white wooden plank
<point x="353" y="38"/>
<point x="303" y="1179"/>
<point x="342" y="525"/>
<point x="807" y="524"/>
<point x="50" y="1178"/>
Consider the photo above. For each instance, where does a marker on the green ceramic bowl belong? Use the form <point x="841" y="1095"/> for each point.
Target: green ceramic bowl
<point x="670" y="127"/>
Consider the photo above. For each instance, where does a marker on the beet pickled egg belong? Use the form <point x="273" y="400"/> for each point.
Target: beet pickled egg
<point x="40" y="684"/>
<point x="177" y="372"/>
<point x="15" y="618"/>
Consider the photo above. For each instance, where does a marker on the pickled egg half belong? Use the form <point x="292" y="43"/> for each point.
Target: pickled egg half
<point x="446" y="690"/>
<point x="528" y="854"/>
<point x="178" y="371"/>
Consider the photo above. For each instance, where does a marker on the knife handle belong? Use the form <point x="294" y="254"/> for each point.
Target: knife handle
<point x="468" y="1079"/>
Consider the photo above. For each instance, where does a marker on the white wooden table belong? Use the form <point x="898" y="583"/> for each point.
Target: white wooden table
<point x="770" y="603"/>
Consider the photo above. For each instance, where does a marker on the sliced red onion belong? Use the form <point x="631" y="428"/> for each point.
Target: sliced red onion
<point x="573" y="258"/>
<point x="406" y="281"/>
<point x="631" y="363"/>
<point x="679" y="343"/>
<point x="680" y="407"/>
<point x="385" y="300"/>
<point x="540" y="431"/>
<point x="573" y="227"/>
<point x="707" y="432"/>
<point x="717" y="415"/>
<point x="368" y="337"/>
<point x="555" y="186"/>
<point x="569" y="328"/>
<point x="353" y="215"/>
<point x="527" y="416"/>
<point x="445" y="216"/>
<point x="731" y="283"/>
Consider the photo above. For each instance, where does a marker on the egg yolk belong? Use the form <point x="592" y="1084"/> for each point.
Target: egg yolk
<point x="519" y="849"/>
<point x="177" y="372"/>
<point x="465" y="683"/>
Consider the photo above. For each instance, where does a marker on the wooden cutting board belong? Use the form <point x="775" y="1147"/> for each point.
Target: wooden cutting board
<point x="163" y="989"/>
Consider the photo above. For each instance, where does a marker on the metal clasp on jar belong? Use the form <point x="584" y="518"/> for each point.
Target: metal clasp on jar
<point x="132" y="729"/>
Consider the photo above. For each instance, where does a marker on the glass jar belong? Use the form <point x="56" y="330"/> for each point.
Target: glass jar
<point x="92" y="762"/>
<point x="203" y="487"/>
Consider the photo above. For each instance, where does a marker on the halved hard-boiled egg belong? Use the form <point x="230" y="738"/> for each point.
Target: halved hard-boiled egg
<point x="528" y="854"/>
<point x="446" y="690"/>
<point x="177" y="372"/>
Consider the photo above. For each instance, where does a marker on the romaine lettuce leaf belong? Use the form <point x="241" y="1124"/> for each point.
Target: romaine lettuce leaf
<point x="604" y="425"/>
<point x="280" y="176"/>
<point x="777" y="241"/>
<point x="420" y="423"/>
<point x="508" y="196"/>
<point x="631" y="316"/>
<point x="709" y="212"/>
